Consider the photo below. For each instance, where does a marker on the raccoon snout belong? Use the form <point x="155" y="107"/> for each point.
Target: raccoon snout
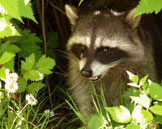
<point x="86" y="72"/>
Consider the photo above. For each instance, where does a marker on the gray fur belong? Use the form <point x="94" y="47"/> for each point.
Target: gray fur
<point x="113" y="31"/>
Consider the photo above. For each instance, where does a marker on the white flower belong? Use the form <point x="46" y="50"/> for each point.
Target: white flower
<point x="31" y="100"/>
<point x="49" y="113"/>
<point x="11" y="87"/>
<point x="0" y="84"/>
<point x="11" y="77"/>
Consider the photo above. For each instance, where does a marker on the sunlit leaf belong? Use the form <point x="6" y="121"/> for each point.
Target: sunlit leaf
<point x="119" y="114"/>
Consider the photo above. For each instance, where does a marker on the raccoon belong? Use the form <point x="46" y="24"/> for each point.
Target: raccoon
<point x="104" y="44"/>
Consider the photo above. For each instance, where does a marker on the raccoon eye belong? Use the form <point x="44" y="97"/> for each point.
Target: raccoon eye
<point x="82" y="48"/>
<point x="105" y="50"/>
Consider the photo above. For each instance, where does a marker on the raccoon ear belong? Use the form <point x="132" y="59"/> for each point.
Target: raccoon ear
<point x="72" y="13"/>
<point x="131" y="20"/>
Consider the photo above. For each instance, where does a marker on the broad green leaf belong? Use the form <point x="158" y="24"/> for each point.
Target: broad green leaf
<point x="156" y="109"/>
<point x="119" y="114"/>
<point x="3" y="73"/>
<point x="9" y="47"/>
<point x="25" y="9"/>
<point x="29" y="43"/>
<point x="22" y="83"/>
<point x="132" y="126"/>
<point x="156" y="91"/>
<point x="29" y="63"/>
<point x="6" y="57"/>
<point x="6" y="28"/>
<point x="148" y="6"/>
<point x="31" y="75"/>
<point x="146" y="115"/>
<point x="10" y="7"/>
<point x="96" y="121"/>
<point x="35" y="87"/>
<point x="45" y="65"/>
<point x="10" y="65"/>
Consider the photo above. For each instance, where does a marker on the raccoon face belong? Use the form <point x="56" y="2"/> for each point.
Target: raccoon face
<point x="101" y="41"/>
<point x="95" y="62"/>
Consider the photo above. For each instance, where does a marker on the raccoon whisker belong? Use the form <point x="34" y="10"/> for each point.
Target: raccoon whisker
<point x="118" y="61"/>
<point x="66" y="54"/>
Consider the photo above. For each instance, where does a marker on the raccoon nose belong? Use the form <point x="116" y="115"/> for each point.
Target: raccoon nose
<point x="86" y="73"/>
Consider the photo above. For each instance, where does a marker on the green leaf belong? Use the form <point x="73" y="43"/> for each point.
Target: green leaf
<point x="35" y="87"/>
<point x="156" y="91"/>
<point x="52" y="43"/>
<point x="82" y="128"/>
<point x="143" y="80"/>
<point x="22" y="83"/>
<point x="132" y="126"/>
<point x="148" y="6"/>
<point x="31" y="75"/>
<point x="10" y="7"/>
<point x="29" y="43"/>
<point x="156" y="109"/>
<point x="45" y="64"/>
<point x="17" y="9"/>
<point x="29" y="63"/>
<point x="131" y="92"/>
<point x="158" y="119"/>
<point x="146" y="115"/>
<point x="6" y="57"/>
<point x="96" y="121"/>
<point x="6" y="28"/>
<point x="10" y="65"/>
<point x="133" y="78"/>
<point x="9" y="47"/>
<point x="3" y="73"/>
<point x="11" y="117"/>
<point x="2" y="111"/>
<point x="25" y="9"/>
<point x="119" y="114"/>
<point x="142" y="100"/>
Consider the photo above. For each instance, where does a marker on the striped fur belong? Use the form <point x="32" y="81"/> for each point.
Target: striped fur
<point x="124" y="36"/>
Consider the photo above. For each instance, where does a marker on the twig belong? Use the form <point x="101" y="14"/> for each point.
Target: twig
<point x="45" y="49"/>
<point x="53" y="5"/>
<point x="43" y="29"/>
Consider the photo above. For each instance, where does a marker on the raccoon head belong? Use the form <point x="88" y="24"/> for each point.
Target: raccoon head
<point x="102" y="39"/>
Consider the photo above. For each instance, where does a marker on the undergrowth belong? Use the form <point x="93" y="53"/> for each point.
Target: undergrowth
<point x="143" y="112"/>
<point x="26" y="64"/>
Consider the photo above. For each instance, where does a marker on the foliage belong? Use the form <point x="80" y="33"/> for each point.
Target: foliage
<point x="146" y="112"/>
<point x="23" y="67"/>
<point x="148" y="6"/>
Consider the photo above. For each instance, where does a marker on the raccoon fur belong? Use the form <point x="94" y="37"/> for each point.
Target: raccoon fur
<point x="102" y="46"/>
